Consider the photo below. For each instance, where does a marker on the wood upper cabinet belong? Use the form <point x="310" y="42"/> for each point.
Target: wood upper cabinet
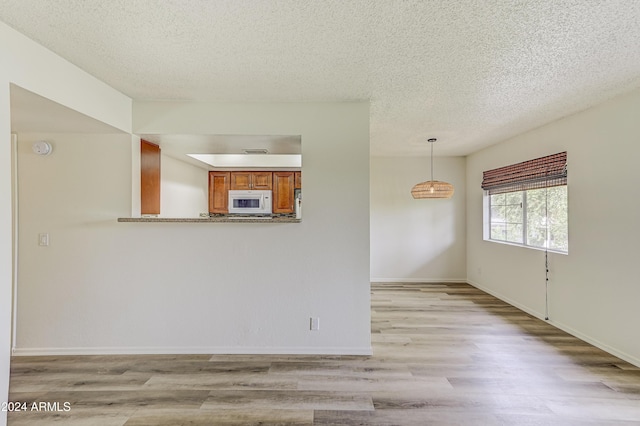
<point x="297" y="178"/>
<point x="251" y="180"/>
<point x="261" y="180"/>
<point x="149" y="178"/>
<point x="240" y="180"/>
<point x="219" y="183"/>
<point x="283" y="185"/>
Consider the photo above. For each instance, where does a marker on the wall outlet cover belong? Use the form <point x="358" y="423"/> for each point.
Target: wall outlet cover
<point x="314" y="324"/>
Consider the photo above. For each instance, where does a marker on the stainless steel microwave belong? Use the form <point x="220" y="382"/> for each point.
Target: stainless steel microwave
<point x="250" y="202"/>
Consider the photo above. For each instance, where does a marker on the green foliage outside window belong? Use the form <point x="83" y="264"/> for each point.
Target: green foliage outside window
<point x="536" y="218"/>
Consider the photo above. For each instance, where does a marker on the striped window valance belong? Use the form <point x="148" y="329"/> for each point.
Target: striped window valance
<point x="543" y="172"/>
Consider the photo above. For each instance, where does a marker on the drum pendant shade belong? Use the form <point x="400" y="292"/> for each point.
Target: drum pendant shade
<point x="432" y="188"/>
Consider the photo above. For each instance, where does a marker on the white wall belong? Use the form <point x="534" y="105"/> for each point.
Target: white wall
<point x="594" y="290"/>
<point x="183" y="188"/>
<point x="74" y="289"/>
<point x="108" y="287"/>
<point x="252" y="287"/>
<point x="6" y="266"/>
<point x="32" y="67"/>
<point x="417" y="240"/>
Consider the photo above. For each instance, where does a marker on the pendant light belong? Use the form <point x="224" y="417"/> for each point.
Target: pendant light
<point x="432" y="188"/>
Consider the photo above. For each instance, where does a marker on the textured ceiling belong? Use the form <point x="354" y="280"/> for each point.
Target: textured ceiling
<point x="470" y="73"/>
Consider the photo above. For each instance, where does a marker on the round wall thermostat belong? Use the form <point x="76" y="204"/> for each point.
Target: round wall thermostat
<point x="42" y="148"/>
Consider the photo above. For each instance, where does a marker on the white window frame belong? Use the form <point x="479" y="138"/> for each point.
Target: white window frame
<point x="486" y="231"/>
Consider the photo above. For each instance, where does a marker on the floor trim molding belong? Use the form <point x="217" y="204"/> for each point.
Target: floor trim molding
<point x="418" y="280"/>
<point x="365" y="351"/>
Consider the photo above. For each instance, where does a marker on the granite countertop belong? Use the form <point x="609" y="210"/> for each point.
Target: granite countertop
<point x="213" y="219"/>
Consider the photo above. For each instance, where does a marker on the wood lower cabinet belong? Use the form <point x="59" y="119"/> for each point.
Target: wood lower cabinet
<point x="219" y="184"/>
<point x="251" y="180"/>
<point x="283" y="185"/>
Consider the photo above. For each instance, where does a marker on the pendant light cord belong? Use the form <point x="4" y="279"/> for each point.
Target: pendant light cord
<point x="546" y="253"/>
<point x="431" y="143"/>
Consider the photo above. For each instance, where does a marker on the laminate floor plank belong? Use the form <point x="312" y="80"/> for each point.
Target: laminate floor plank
<point x="221" y="381"/>
<point x="378" y="370"/>
<point x="245" y="417"/>
<point x="74" y="418"/>
<point x="412" y="417"/>
<point x="77" y="382"/>
<point x="285" y="400"/>
<point x="444" y="354"/>
<point x="119" y="401"/>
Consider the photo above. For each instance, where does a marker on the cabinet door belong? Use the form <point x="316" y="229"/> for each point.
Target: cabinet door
<point x="283" y="192"/>
<point x="219" y="192"/>
<point x="240" y="180"/>
<point x="149" y="178"/>
<point x="297" y="177"/>
<point x="261" y="180"/>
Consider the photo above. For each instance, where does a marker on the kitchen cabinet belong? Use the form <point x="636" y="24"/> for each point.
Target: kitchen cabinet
<point x="149" y="178"/>
<point x="297" y="180"/>
<point x="219" y="184"/>
<point x="283" y="185"/>
<point x="251" y="180"/>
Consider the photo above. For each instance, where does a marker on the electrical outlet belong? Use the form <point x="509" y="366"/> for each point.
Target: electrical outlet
<point x="314" y="324"/>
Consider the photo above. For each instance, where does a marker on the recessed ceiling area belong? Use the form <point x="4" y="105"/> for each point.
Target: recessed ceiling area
<point x="231" y="150"/>
<point x="469" y="73"/>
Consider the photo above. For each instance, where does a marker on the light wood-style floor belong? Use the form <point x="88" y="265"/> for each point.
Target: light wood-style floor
<point x="444" y="354"/>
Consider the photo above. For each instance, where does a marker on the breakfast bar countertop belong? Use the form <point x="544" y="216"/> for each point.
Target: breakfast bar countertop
<point x="212" y="219"/>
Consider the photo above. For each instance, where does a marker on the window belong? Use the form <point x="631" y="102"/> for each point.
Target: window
<point x="527" y="203"/>
<point x="534" y="218"/>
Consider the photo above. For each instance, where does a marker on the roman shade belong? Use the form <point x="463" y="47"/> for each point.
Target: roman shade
<point x="543" y="172"/>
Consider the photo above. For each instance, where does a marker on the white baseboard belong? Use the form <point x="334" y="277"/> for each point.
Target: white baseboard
<point x="418" y="280"/>
<point x="365" y="351"/>
<point x="595" y="342"/>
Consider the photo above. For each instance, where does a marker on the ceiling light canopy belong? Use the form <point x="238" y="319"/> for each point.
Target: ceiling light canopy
<point x="432" y="188"/>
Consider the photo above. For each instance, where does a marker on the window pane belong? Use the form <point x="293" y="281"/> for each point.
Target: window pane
<point x="514" y="197"/>
<point x="536" y="235"/>
<point x="514" y="214"/>
<point x="547" y="210"/>
<point x="536" y="218"/>
<point x="497" y="214"/>
<point x="498" y="199"/>
<point x="558" y="219"/>
<point x="514" y="233"/>
<point x="498" y="232"/>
